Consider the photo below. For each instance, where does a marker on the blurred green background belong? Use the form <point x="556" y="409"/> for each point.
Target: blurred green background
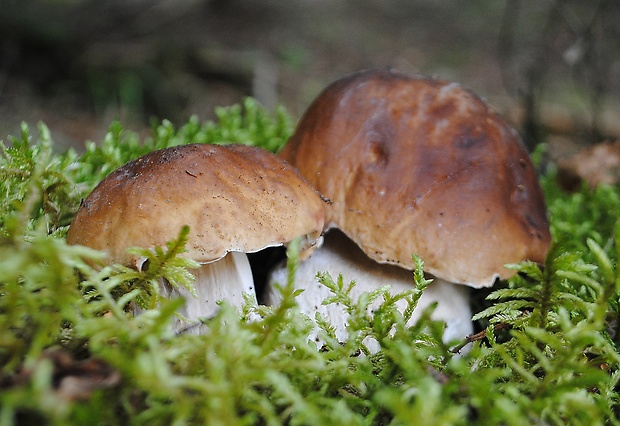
<point x="552" y="67"/>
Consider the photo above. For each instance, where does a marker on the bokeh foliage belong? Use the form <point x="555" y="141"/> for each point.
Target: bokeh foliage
<point x="548" y="353"/>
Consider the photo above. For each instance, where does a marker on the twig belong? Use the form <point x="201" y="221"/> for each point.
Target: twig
<point x="478" y="336"/>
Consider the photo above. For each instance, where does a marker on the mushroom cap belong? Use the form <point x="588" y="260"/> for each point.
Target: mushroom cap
<point x="418" y="165"/>
<point x="234" y="198"/>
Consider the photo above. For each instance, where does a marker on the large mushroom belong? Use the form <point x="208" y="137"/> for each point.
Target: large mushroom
<point x="236" y="199"/>
<point x="427" y="163"/>
<point x="416" y="165"/>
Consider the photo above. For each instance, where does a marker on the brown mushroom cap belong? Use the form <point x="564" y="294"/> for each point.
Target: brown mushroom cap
<point x="418" y="165"/>
<point x="234" y="198"/>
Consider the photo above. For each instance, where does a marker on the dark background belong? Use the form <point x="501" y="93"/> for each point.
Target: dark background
<point x="551" y="67"/>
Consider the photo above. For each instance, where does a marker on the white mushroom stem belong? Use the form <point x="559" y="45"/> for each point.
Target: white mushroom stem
<point x="226" y="279"/>
<point x="339" y="255"/>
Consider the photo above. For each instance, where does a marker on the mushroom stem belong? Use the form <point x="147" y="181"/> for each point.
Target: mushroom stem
<point x="226" y="279"/>
<point x="339" y="255"/>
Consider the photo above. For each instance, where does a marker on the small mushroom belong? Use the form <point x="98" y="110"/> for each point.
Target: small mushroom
<point x="412" y="164"/>
<point x="236" y="199"/>
<point x="340" y="255"/>
<point x="416" y="165"/>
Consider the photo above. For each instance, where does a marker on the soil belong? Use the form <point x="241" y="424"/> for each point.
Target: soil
<point x="553" y="69"/>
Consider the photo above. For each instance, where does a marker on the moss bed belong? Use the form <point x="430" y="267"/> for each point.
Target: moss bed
<point x="71" y="354"/>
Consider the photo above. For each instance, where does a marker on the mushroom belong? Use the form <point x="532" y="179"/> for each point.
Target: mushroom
<point x="412" y="164"/>
<point x="236" y="199"/>
<point x="416" y="165"/>
<point x="339" y="255"/>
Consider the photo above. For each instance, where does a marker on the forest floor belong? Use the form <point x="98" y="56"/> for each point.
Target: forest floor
<point x="78" y="65"/>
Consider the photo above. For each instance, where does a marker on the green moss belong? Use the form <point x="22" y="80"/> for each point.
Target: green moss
<point x="549" y="354"/>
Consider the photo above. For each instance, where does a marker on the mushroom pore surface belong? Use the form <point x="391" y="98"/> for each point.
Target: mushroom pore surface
<point x="415" y="165"/>
<point x="340" y="256"/>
